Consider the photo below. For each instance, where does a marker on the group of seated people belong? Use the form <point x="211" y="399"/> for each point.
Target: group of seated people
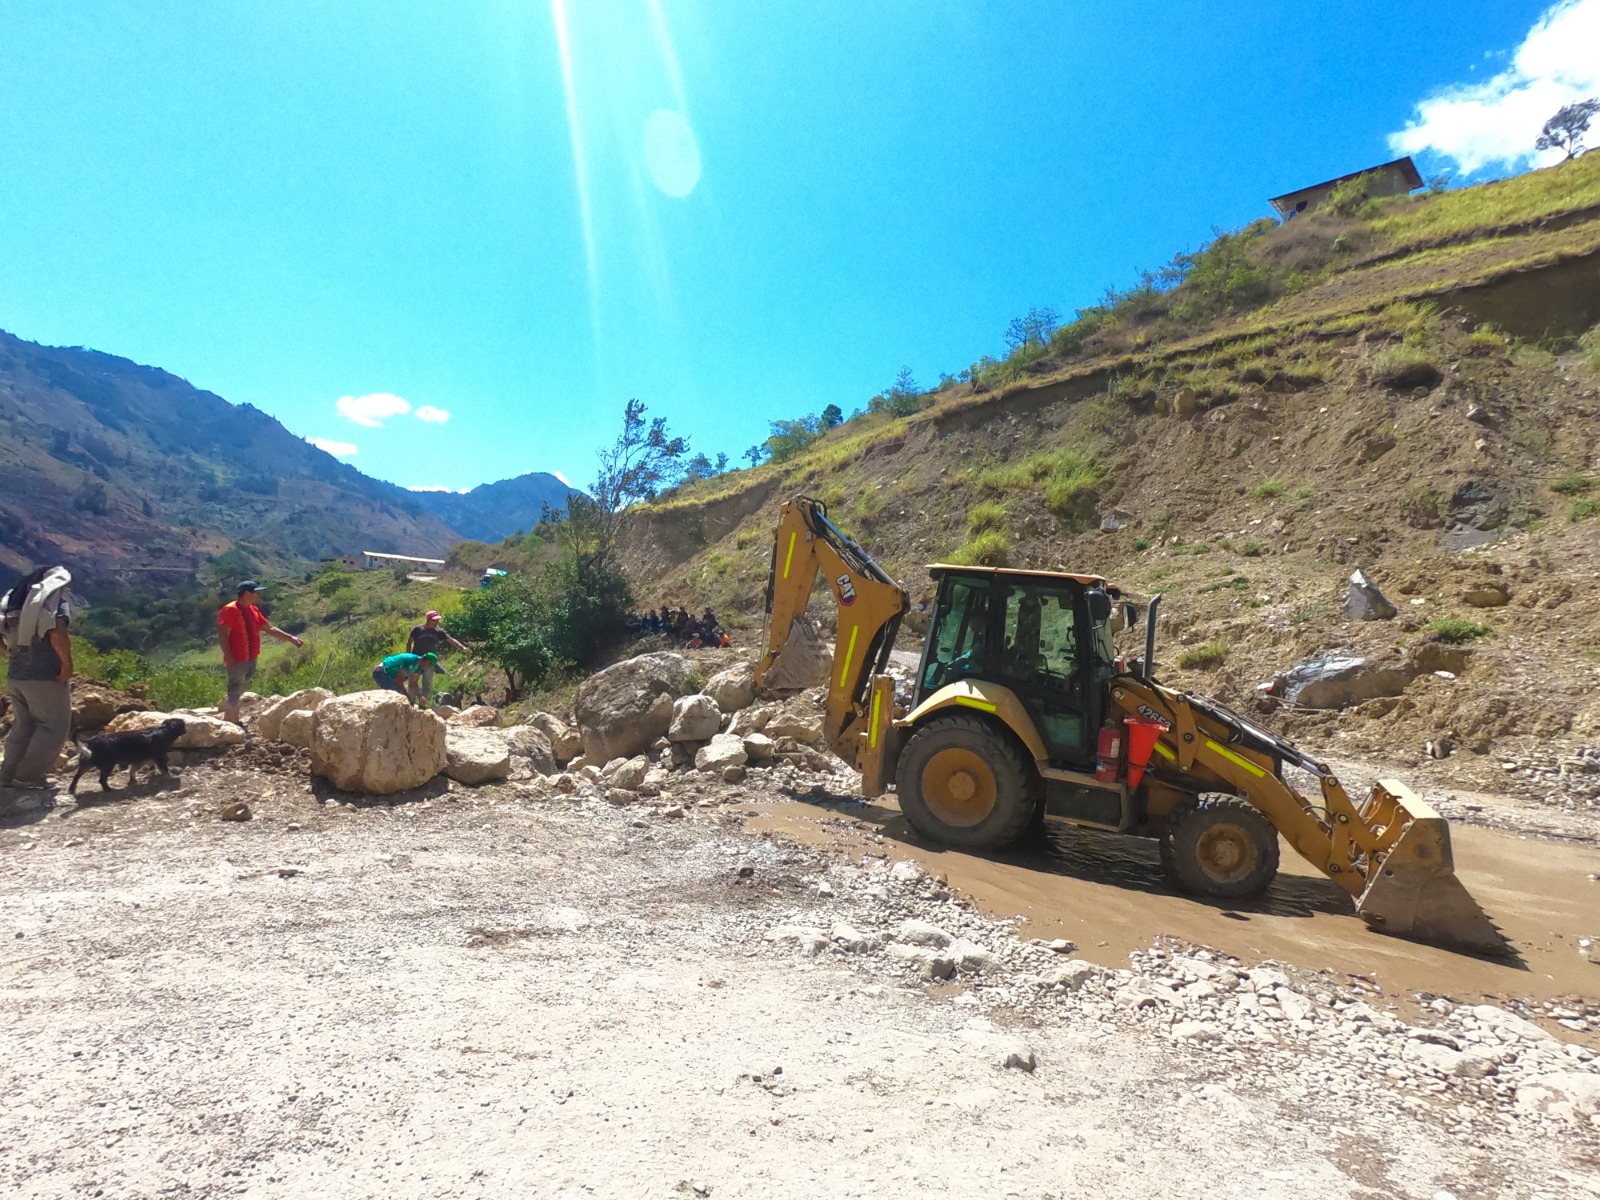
<point x="690" y="632"/>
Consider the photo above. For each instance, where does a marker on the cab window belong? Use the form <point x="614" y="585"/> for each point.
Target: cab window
<point x="959" y="647"/>
<point x="1040" y="642"/>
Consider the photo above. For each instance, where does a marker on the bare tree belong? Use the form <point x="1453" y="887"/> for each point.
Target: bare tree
<point x="644" y="460"/>
<point x="1565" y="130"/>
<point x="1032" y="328"/>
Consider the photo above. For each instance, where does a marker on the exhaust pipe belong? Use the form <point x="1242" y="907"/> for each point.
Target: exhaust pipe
<point x="1147" y="668"/>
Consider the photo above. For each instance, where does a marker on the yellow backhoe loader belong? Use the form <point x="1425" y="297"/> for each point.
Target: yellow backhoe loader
<point x="1021" y="708"/>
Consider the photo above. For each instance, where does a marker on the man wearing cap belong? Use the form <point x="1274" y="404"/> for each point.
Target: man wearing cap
<point x="240" y="625"/>
<point x="426" y="639"/>
<point x="400" y="672"/>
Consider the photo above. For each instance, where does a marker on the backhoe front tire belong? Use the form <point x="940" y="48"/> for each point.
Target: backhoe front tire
<point x="1220" y="846"/>
<point x="962" y="783"/>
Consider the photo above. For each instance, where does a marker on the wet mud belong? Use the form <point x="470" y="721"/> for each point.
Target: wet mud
<point x="1108" y="894"/>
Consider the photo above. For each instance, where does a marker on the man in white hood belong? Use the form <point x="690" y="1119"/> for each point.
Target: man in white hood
<point x="34" y="620"/>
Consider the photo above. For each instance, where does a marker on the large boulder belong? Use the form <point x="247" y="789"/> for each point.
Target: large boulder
<point x="480" y="715"/>
<point x="724" y="750"/>
<point x="1338" y="678"/>
<point x="295" y="729"/>
<point x="532" y="746"/>
<point x="270" y="723"/>
<point x="566" y="743"/>
<point x="376" y="742"/>
<point x="734" y="688"/>
<point x="95" y="705"/>
<point x="203" y="732"/>
<point x="752" y="720"/>
<point x="475" y="755"/>
<point x="627" y="773"/>
<point x="694" y="719"/>
<point x="1364" y="602"/>
<point x="798" y="721"/>
<point x="624" y="708"/>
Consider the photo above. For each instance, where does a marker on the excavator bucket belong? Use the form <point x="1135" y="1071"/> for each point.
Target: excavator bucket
<point x="803" y="661"/>
<point x="1413" y="891"/>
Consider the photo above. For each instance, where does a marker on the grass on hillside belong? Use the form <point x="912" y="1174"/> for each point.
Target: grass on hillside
<point x="1457" y="631"/>
<point x="1522" y="198"/>
<point x="1203" y="658"/>
<point x="1256" y="306"/>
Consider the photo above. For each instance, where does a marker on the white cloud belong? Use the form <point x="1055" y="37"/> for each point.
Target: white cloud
<point x="428" y="487"/>
<point x="373" y="409"/>
<point x="432" y="415"/>
<point x="1496" y="121"/>
<point x="337" y="449"/>
<point x="562" y="477"/>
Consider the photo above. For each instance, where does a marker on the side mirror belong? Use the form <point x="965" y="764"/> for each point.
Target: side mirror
<point x="1126" y="617"/>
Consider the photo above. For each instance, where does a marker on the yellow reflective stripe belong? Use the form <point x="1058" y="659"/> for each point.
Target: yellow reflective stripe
<point x="1162" y="750"/>
<point x="789" y="557"/>
<point x="872" y="730"/>
<point x="844" y="672"/>
<point x="979" y="704"/>
<point x="1237" y="760"/>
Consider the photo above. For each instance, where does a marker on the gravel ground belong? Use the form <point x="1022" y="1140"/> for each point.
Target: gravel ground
<point x="478" y="993"/>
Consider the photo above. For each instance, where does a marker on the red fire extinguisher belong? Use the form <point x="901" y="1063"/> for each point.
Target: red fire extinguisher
<point x="1108" y="754"/>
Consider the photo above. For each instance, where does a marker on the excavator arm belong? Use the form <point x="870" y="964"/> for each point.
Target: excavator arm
<point x="857" y="721"/>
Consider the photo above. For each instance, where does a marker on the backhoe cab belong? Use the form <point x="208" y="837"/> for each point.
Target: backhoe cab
<point x="1021" y="709"/>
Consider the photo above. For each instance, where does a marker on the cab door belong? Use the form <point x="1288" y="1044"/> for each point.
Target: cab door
<point x="1041" y="657"/>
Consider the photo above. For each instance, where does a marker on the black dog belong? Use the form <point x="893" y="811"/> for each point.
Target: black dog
<point x="105" y="752"/>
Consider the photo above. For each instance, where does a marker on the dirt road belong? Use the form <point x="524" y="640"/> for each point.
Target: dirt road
<point x="472" y="994"/>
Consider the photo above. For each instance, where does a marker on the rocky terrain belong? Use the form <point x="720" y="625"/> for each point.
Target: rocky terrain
<point x="657" y="947"/>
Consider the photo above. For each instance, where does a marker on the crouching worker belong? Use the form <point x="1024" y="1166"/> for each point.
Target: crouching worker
<point x="403" y="673"/>
<point x="34" y="622"/>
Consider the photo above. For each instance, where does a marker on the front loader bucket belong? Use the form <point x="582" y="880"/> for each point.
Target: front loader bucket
<point x="1413" y="891"/>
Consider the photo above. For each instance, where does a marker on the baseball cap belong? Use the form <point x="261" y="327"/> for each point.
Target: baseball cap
<point x="434" y="659"/>
<point x="431" y="615"/>
<point x="249" y="585"/>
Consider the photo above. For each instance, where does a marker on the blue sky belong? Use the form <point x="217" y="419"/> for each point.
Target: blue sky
<point x="457" y="237"/>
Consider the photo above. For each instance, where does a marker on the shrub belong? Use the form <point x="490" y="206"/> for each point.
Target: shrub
<point x="1352" y="198"/>
<point x="1302" y="493"/>
<point x="1250" y="548"/>
<point x="1457" y="631"/>
<point x="1141" y="543"/>
<point x="1267" y="489"/>
<point x="1571" y="485"/>
<point x="1582" y="509"/>
<point x="990" y="514"/>
<point x="334" y="582"/>
<point x="1204" y="658"/>
<point x="988" y="549"/>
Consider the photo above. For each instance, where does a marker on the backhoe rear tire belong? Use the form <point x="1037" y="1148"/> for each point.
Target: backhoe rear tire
<point x="963" y="783"/>
<point x="1220" y="846"/>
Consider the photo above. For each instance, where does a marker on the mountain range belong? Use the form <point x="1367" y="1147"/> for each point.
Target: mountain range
<point x="128" y="474"/>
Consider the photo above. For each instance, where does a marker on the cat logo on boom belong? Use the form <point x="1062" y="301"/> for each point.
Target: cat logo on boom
<point x="847" y="591"/>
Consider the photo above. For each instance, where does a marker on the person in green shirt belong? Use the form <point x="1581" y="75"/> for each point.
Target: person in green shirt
<point x="403" y="673"/>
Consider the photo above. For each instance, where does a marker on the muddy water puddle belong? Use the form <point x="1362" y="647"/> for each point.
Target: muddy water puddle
<point x="1108" y="894"/>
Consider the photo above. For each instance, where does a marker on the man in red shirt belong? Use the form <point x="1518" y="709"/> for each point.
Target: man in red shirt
<point x="240" y="625"/>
